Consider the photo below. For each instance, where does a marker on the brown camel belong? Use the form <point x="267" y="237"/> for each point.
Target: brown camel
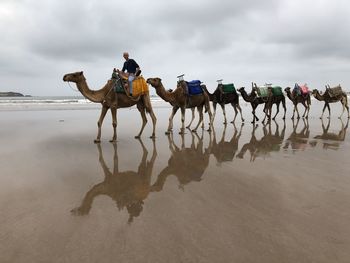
<point x="253" y="100"/>
<point x="268" y="143"/>
<point x="180" y="100"/>
<point x="299" y="98"/>
<point x="327" y="98"/>
<point x="187" y="164"/>
<point x="218" y="97"/>
<point x="273" y="99"/>
<point x="111" y="100"/>
<point x="128" y="189"/>
<point x="224" y="151"/>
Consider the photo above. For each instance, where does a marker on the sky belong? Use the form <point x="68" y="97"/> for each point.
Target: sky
<point x="271" y="41"/>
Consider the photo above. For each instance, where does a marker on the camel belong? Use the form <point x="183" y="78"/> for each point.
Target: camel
<point x="298" y="140"/>
<point x="299" y="98"/>
<point x="179" y="100"/>
<point x="330" y="136"/>
<point x="111" y="100"/>
<point x="273" y="99"/>
<point x="128" y="189"/>
<point x="218" y="97"/>
<point x="188" y="164"/>
<point x="224" y="151"/>
<point x="254" y="102"/>
<point x="268" y="143"/>
<point x="327" y="98"/>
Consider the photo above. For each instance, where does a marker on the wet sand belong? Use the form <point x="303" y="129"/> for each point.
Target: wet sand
<point x="273" y="193"/>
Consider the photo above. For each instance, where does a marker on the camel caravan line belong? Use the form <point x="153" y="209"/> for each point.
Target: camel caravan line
<point x="195" y="95"/>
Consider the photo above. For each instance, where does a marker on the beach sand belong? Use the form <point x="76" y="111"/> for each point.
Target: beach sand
<point x="256" y="195"/>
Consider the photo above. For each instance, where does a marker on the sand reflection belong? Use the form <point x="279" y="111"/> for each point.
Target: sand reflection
<point x="187" y="164"/>
<point x="269" y="142"/>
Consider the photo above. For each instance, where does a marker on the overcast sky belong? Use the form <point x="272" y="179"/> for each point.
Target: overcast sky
<point x="270" y="41"/>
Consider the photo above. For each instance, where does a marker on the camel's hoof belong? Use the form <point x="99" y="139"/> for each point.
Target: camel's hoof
<point x="113" y="140"/>
<point x="137" y="137"/>
<point x="152" y="137"/>
<point x="194" y="130"/>
<point x="97" y="141"/>
<point x="167" y="132"/>
<point x="225" y="122"/>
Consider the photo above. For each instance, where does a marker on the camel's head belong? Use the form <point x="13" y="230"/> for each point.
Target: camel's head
<point x="155" y="82"/>
<point x="74" y="77"/>
<point x="241" y="89"/>
<point x="314" y="92"/>
<point x="287" y="89"/>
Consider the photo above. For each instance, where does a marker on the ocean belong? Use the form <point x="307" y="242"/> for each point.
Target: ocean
<point x="58" y="103"/>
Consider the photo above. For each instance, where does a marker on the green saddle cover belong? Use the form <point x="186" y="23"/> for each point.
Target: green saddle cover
<point x="117" y="82"/>
<point x="277" y="91"/>
<point x="228" y="88"/>
<point x="263" y="92"/>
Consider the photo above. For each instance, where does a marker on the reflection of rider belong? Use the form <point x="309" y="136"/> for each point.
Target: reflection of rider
<point x="128" y="189"/>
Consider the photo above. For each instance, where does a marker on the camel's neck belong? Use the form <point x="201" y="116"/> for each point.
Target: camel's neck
<point x="318" y="96"/>
<point x="210" y="95"/>
<point x="93" y="95"/>
<point x="164" y="94"/>
<point x="289" y="95"/>
<point x="245" y="96"/>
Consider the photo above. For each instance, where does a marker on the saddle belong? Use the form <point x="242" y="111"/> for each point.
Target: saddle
<point x="228" y="88"/>
<point x="263" y="91"/>
<point x="118" y="83"/>
<point x="335" y="91"/>
<point x="194" y="87"/>
<point x="301" y="90"/>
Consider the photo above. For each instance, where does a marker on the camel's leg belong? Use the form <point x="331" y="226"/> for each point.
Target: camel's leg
<point x="114" y="123"/>
<point x="99" y="123"/>
<point x="294" y="109"/>
<point x="170" y="127"/>
<point x="240" y="111"/>
<point x="210" y="120"/>
<point x="144" y="120"/>
<point x="343" y="104"/>
<point x="183" y="112"/>
<point x="304" y="104"/>
<point x="236" y="112"/>
<point x="284" y="107"/>
<point x="278" y="110"/>
<point x="200" y="112"/>
<point x="255" y="118"/>
<point x="154" y="122"/>
<point x="324" y="107"/>
<point x="329" y="111"/>
<point x="189" y="125"/>
<point x="224" y="112"/>
<point x="214" y="114"/>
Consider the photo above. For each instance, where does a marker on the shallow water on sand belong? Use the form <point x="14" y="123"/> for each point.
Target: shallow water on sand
<point x="242" y="193"/>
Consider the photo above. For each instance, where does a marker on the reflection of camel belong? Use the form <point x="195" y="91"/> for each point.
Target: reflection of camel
<point x="334" y="137"/>
<point x="298" y="140"/>
<point x="268" y="143"/>
<point x="128" y="189"/>
<point x="187" y="164"/>
<point x="110" y="100"/>
<point x="224" y="151"/>
<point x="180" y="100"/>
<point x="254" y="102"/>
<point x="273" y="99"/>
<point x="218" y="97"/>
<point x="329" y="99"/>
<point x="299" y="98"/>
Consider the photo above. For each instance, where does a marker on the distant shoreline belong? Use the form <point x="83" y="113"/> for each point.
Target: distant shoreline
<point x="12" y="94"/>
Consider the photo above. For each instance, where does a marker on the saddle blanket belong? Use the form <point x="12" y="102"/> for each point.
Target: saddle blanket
<point x="228" y="88"/>
<point x="139" y="86"/>
<point x="263" y="91"/>
<point x="301" y="90"/>
<point x="335" y="91"/>
<point x="117" y="82"/>
<point x="194" y="87"/>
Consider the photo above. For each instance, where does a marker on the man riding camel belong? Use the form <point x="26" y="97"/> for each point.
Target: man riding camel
<point x="132" y="69"/>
